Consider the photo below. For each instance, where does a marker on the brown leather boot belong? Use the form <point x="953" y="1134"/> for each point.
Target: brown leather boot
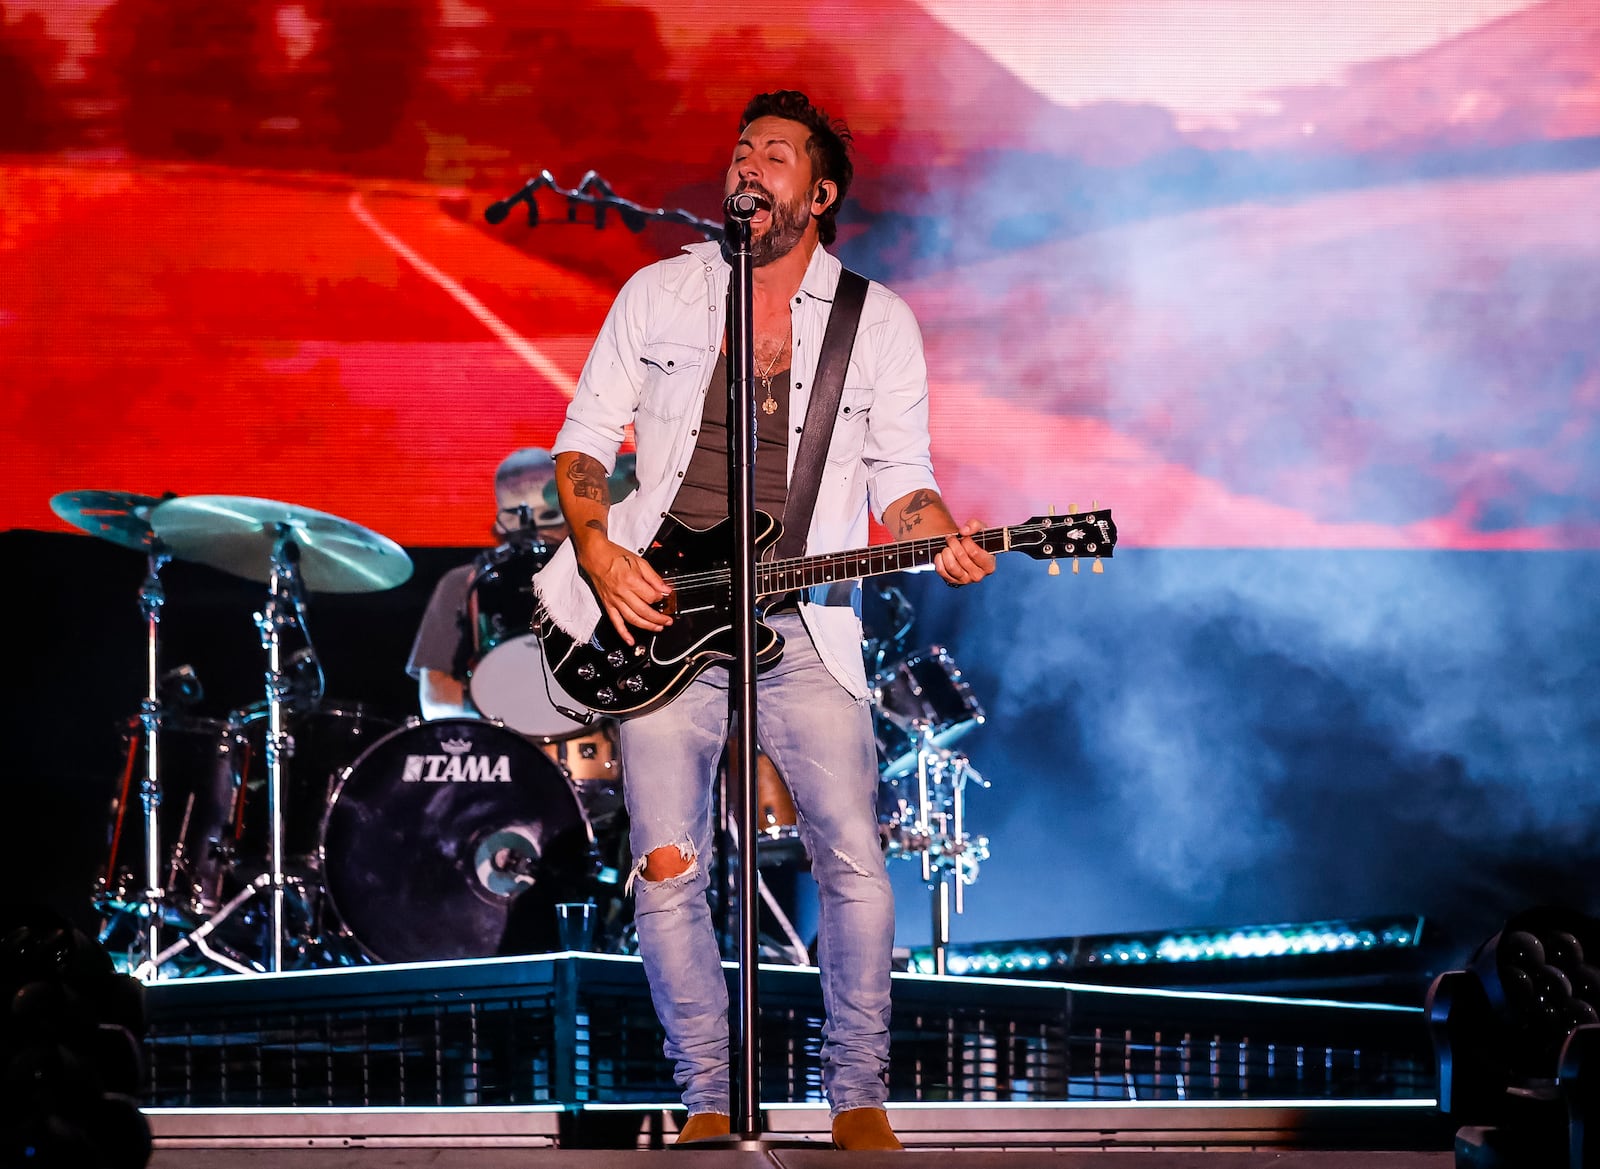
<point x="702" y="1125"/>
<point x="864" y="1128"/>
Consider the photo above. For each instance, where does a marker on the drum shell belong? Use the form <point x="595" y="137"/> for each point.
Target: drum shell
<point x="323" y="741"/>
<point x="508" y="679"/>
<point x="923" y="699"/>
<point x="778" y="839"/>
<point x="500" y="598"/>
<point x="193" y="820"/>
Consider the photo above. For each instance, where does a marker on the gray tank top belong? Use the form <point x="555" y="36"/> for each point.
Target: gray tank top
<point x="702" y="500"/>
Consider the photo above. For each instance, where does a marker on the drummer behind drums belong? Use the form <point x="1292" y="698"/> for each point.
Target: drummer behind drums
<point x="441" y="654"/>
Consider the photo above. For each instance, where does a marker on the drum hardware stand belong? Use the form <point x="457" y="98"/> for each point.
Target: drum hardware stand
<point x="197" y="936"/>
<point x="153" y="897"/>
<point x="284" y="610"/>
<point x="949" y="856"/>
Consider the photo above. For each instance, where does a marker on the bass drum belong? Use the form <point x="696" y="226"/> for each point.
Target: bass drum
<point x="454" y="839"/>
<point x="509" y="680"/>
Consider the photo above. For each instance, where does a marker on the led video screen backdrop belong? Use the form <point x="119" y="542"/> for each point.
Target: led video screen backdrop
<point x="1309" y="294"/>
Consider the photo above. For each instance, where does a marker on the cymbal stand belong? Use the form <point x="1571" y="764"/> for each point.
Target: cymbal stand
<point x="152" y="595"/>
<point x="283" y="610"/>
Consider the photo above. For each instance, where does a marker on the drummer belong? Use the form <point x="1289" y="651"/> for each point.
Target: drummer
<point x="440" y="655"/>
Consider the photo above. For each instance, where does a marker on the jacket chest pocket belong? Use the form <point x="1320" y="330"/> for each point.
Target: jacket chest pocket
<point x="672" y="378"/>
<point x="850" y="424"/>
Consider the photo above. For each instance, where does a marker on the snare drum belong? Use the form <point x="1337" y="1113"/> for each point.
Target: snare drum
<point x="922" y="698"/>
<point x="509" y="680"/>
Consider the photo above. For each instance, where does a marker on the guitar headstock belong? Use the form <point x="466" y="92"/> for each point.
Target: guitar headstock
<point x="1085" y="535"/>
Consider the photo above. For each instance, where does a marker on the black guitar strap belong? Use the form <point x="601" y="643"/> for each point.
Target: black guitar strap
<point x="837" y="342"/>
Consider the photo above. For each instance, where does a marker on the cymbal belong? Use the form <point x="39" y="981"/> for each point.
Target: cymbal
<point x="122" y="517"/>
<point x="237" y="533"/>
<point x="621" y="481"/>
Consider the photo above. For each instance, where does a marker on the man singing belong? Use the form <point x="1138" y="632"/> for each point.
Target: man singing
<point x="660" y="364"/>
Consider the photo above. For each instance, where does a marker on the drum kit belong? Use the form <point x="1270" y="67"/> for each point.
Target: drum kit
<point x="300" y="831"/>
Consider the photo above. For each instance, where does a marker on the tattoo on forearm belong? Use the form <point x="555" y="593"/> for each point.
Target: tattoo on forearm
<point x="595" y="526"/>
<point x="588" y="479"/>
<point x="911" y="515"/>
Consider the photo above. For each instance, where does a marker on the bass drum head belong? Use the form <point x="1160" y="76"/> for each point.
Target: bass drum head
<point x="454" y="839"/>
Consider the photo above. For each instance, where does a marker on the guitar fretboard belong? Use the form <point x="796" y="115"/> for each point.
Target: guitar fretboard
<point x="782" y="576"/>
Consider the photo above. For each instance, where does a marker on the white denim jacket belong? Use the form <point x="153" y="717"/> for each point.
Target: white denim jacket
<point x="651" y="366"/>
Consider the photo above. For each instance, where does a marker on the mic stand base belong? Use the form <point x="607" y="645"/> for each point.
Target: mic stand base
<point x="755" y="1143"/>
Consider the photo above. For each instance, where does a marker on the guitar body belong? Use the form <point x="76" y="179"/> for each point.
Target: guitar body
<point x="616" y="679"/>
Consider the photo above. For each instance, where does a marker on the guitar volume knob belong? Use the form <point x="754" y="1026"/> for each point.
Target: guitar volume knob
<point x="587" y="672"/>
<point x="615" y="658"/>
<point x="633" y="683"/>
<point x="605" y="695"/>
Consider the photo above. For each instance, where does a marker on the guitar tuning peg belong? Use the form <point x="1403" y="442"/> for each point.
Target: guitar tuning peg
<point x="1074" y="566"/>
<point x="1052" y="510"/>
<point x="1054" y="569"/>
<point x="1099" y="566"/>
<point x="1072" y="509"/>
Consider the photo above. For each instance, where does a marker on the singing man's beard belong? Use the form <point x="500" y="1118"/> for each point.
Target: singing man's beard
<point x="784" y="231"/>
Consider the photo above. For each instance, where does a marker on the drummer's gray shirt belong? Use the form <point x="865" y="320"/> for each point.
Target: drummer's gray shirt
<point x="441" y="642"/>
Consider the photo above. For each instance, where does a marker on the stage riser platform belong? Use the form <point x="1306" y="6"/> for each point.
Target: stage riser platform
<point x="789" y="1159"/>
<point x="579" y="1030"/>
<point x="963" y="1130"/>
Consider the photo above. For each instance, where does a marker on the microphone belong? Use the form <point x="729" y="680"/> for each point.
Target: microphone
<point x="743" y="205"/>
<point x="496" y="212"/>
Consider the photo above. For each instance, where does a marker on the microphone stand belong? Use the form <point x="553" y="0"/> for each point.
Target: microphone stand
<point x="593" y="191"/>
<point x="745" y="1063"/>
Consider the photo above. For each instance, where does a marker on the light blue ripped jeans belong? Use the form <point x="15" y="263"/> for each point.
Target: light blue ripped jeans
<point x="820" y="740"/>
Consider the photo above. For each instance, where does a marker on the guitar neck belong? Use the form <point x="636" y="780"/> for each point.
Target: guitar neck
<point x="803" y="572"/>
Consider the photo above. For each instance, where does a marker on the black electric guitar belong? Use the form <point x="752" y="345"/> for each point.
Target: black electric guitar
<point x="616" y="679"/>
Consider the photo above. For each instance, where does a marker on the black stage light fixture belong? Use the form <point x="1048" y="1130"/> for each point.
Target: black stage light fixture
<point x="69" y="1056"/>
<point x="1517" y="1040"/>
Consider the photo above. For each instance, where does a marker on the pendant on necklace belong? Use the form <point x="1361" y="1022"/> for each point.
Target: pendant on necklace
<point x="770" y="406"/>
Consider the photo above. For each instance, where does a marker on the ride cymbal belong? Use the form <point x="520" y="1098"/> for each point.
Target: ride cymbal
<point x="238" y="533"/>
